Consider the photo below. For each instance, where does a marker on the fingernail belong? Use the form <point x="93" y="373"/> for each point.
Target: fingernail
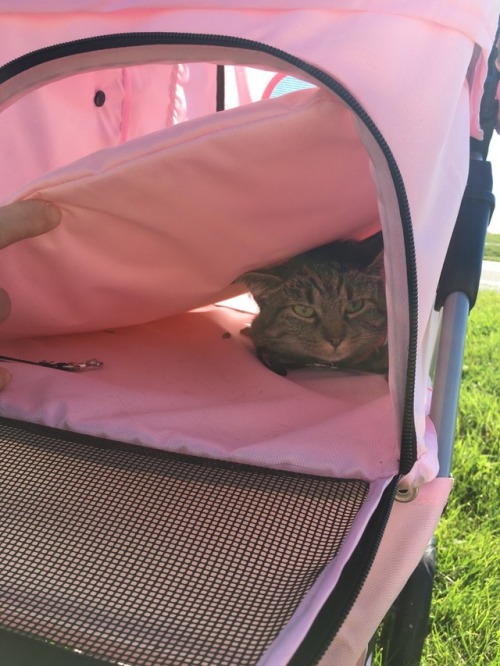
<point x="53" y="214"/>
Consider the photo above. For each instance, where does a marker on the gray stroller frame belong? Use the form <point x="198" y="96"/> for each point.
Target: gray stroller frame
<point x="405" y="627"/>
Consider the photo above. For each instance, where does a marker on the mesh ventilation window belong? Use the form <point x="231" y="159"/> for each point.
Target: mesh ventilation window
<point x="141" y="557"/>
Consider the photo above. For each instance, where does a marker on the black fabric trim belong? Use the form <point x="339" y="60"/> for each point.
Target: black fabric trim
<point x="335" y="610"/>
<point x="221" y="88"/>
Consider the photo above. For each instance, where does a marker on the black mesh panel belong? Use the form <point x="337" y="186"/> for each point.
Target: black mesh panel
<point x="141" y="557"/>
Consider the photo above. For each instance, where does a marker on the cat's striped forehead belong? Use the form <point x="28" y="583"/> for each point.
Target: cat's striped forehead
<point x="315" y="283"/>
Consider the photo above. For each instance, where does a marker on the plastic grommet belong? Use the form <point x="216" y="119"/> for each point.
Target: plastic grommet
<point x="99" y="98"/>
<point x="406" y="494"/>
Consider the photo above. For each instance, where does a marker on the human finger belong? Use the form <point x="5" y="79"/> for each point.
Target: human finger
<point x="5" y="378"/>
<point x="25" y="219"/>
<point x="4" y="305"/>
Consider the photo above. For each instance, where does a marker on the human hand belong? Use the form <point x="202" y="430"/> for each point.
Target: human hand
<point x="20" y="220"/>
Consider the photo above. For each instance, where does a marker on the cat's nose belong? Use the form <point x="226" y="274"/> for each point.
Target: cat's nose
<point x="333" y="333"/>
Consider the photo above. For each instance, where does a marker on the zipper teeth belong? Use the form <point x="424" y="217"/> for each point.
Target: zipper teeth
<point x="323" y="647"/>
<point x="318" y="639"/>
<point x="408" y="443"/>
<point x="408" y="437"/>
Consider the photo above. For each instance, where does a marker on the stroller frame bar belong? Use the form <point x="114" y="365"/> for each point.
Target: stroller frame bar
<point x="448" y="375"/>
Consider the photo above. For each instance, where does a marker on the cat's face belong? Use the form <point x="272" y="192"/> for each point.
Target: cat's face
<point x="318" y="312"/>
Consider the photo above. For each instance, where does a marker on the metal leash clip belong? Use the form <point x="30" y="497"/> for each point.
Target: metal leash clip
<point x="91" y="364"/>
<point x="70" y="366"/>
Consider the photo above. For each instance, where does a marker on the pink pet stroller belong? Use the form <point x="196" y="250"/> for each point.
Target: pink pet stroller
<point x="165" y="497"/>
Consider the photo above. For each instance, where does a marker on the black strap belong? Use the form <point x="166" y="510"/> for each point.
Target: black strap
<point x="221" y="88"/>
<point x="488" y="113"/>
<point x="464" y="259"/>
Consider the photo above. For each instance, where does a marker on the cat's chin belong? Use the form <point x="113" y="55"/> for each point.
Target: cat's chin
<point x="331" y="356"/>
<point x="374" y="361"/>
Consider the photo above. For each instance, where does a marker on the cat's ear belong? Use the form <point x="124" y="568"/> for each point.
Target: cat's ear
<point x="377" y="272"/>
<point x="372" y="244"/>
<point x="260" y="283"/>
<point x="376" y="268"/>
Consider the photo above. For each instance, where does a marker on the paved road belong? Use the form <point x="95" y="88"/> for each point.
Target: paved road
<point x="490" y="276"/>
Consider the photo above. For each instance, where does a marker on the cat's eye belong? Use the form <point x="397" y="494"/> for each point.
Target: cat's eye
<point x="354" y="306"/>
<point x="306" y="311"/>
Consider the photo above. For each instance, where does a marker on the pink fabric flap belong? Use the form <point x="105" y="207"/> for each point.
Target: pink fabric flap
<point x="182" y="384"/>
<point x="161" y="224"/>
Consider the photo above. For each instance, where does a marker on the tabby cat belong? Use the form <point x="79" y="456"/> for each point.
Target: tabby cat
<point x="323" y="308"/>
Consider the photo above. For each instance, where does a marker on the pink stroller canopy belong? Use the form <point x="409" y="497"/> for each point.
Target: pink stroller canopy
<point x="108" y="110"/>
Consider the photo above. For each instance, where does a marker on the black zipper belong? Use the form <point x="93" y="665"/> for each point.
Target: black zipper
<point x="342" y="598"/>
<point x="321" y="633"/>
<point x="86" y="45"/>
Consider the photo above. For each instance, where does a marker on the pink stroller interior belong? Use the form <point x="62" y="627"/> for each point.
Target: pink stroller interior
<point x="166" y="499"/>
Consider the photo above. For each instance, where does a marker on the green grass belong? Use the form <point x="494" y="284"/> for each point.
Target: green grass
<point x="465" y="613"/>
<point x="492" y="248"/>
<point x="465" y="617"/>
